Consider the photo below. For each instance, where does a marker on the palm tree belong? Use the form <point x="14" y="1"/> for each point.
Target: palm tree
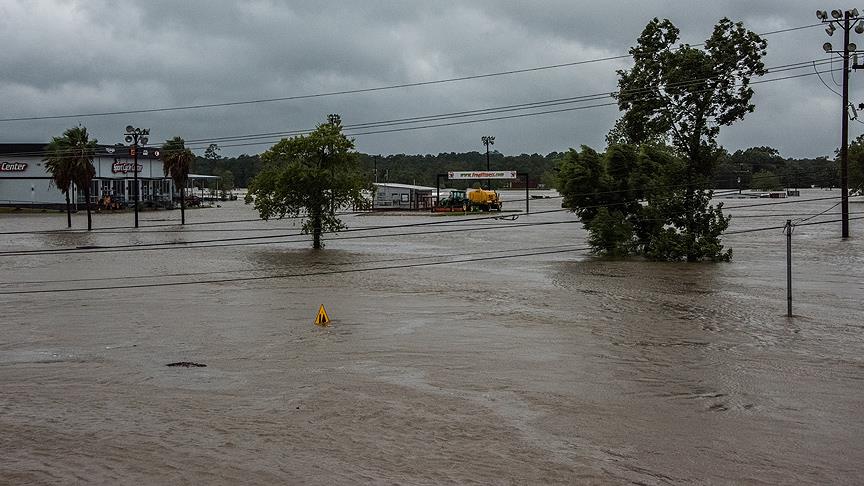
<point x="176" y="160"/>
<point x="70" y="160"/>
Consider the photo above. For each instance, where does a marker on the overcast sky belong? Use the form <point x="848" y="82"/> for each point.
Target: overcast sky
<point x="76" y="57"/>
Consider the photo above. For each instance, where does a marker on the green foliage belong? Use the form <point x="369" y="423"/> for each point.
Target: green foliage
<point x="765" y="180"/>
<point x="610" y="233"/>
<point x="313" y="175"/>
<point x="856" y="165"/>
<point x="683" y="95"/>
<point x="816" y="172"/>
<point x="680" y="96"/>
<point x="176" y="161"/>
<point x="632" y="202"/>
<point x="70" y="160"/>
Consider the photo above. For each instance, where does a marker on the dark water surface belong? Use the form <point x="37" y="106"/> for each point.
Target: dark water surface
<point x="554" y="368"/>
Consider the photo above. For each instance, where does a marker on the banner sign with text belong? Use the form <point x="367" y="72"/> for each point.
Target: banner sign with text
<point x="482" y="174"/>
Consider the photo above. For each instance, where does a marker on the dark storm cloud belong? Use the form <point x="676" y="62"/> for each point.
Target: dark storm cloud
<point x="63" y="57"/>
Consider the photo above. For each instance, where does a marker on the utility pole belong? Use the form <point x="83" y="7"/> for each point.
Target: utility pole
<point x="487" y="141"/>
<point x="844" y="20"/>
<point x="788" y="231"/>
<point x="136" y="136"/>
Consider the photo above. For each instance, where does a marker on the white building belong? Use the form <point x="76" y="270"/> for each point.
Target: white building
<point x="402" y="196"/>
<point x="24" y="182"/>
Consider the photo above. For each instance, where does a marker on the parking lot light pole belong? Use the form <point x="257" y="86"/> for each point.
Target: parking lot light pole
<point x="487" y="141"/>
<point x="136" y="136"/>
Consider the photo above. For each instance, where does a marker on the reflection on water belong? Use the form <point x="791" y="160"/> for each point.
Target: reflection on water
<point x="559" y="368"/>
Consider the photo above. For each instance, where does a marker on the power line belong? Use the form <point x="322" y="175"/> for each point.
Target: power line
<point x="269" y="239"/>
<point x="107" y="229"/>
<point x="267" y="269"/>
<point x="344" y="271"/>
<point x="289" y="275"/>
<point x="266" y="137"/>
<point x="358" y="90"/>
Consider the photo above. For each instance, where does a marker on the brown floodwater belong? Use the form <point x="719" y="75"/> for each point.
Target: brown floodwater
<point x="552" y="368"/>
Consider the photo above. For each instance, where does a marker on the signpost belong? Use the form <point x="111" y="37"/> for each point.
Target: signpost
<point x="482" y="174"/>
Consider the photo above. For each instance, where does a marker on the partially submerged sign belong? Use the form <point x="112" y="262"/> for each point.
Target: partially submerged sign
<point x="322" y="319"/>
<point x="482" y="174"/>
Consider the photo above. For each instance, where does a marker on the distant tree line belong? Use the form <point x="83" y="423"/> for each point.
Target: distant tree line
<point x="399" y="168"/>
<point x="763" y="168"/>
<point x="760" y="168"/>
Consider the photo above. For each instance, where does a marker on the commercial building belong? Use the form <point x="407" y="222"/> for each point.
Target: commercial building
<point x="403" y="196"/>
<point x="24" y="182"/>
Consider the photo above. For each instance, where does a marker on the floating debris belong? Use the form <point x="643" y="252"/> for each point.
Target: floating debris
<point x="187" y="364"/>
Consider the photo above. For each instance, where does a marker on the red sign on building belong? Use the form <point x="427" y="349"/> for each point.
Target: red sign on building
<point x="124" y="167"/>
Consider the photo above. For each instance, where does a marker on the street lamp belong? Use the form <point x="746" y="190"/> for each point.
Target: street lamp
<point x="844" y="20"/>
<point x="487" y="141"/>
<point x="136" y="137"/>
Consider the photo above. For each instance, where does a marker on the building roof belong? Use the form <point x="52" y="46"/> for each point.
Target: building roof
<point x="202" y="176"/>
<point x="403" y="186"/>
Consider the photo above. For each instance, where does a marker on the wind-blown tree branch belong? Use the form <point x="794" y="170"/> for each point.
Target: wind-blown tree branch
<point x="176" y="161"/>
<point x="70" y="160"/>
<point x="682" y="96"/>
<point x="312" y="175"/>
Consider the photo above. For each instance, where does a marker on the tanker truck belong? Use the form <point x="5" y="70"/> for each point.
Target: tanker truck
<point x="483" y="200"/>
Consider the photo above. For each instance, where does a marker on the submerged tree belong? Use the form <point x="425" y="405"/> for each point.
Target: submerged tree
<point x="314" y="174"/>
<point x="70" y="161"/>
<point x="680" y="96"/>
<point x="630" y="201"/>
<point x="176" y="161"/>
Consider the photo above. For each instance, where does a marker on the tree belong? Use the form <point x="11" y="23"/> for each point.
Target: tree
<point x="212" y="152"/>
<point x="631" y="202"/>
<point x="70" y="161"/>
<point x="856" y="165"/>
<point x="765" y="180"/>
<point x="176" y="161"/>
<point x="681" y="96"/>
<point x="60" y="168"/>
<point x="313" y="174"/>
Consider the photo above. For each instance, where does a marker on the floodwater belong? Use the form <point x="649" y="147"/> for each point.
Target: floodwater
<point x="542" y="369"/>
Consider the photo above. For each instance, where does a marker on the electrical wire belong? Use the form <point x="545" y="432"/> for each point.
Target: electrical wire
<point x="344" y="271"/>
<point x="358" y="90"/>
<point x="289" y="275"/>
<point x="270" y="268"/>
<point x="107" y="229"/>
<point x="267" y="137"/>
<point x="269" y="239"/>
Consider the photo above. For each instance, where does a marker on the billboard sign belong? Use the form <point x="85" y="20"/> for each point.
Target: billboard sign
<point x="482" y="174"/>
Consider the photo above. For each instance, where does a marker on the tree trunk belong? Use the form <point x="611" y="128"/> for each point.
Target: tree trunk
<point x="182" y="205"/>
<point x="68" y="211"/>
<point x="87" y="204"/>
<point x="316" y="229"/>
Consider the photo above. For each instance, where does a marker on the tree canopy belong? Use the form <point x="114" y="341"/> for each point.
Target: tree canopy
<point x="176" y="161"/>
<point x="70" y="161"/>
<point x="312" y="176"/>
<point x="649" y="193"/>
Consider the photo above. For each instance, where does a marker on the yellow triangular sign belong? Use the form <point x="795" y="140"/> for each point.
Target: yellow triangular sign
<point x="321" y="319"/>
